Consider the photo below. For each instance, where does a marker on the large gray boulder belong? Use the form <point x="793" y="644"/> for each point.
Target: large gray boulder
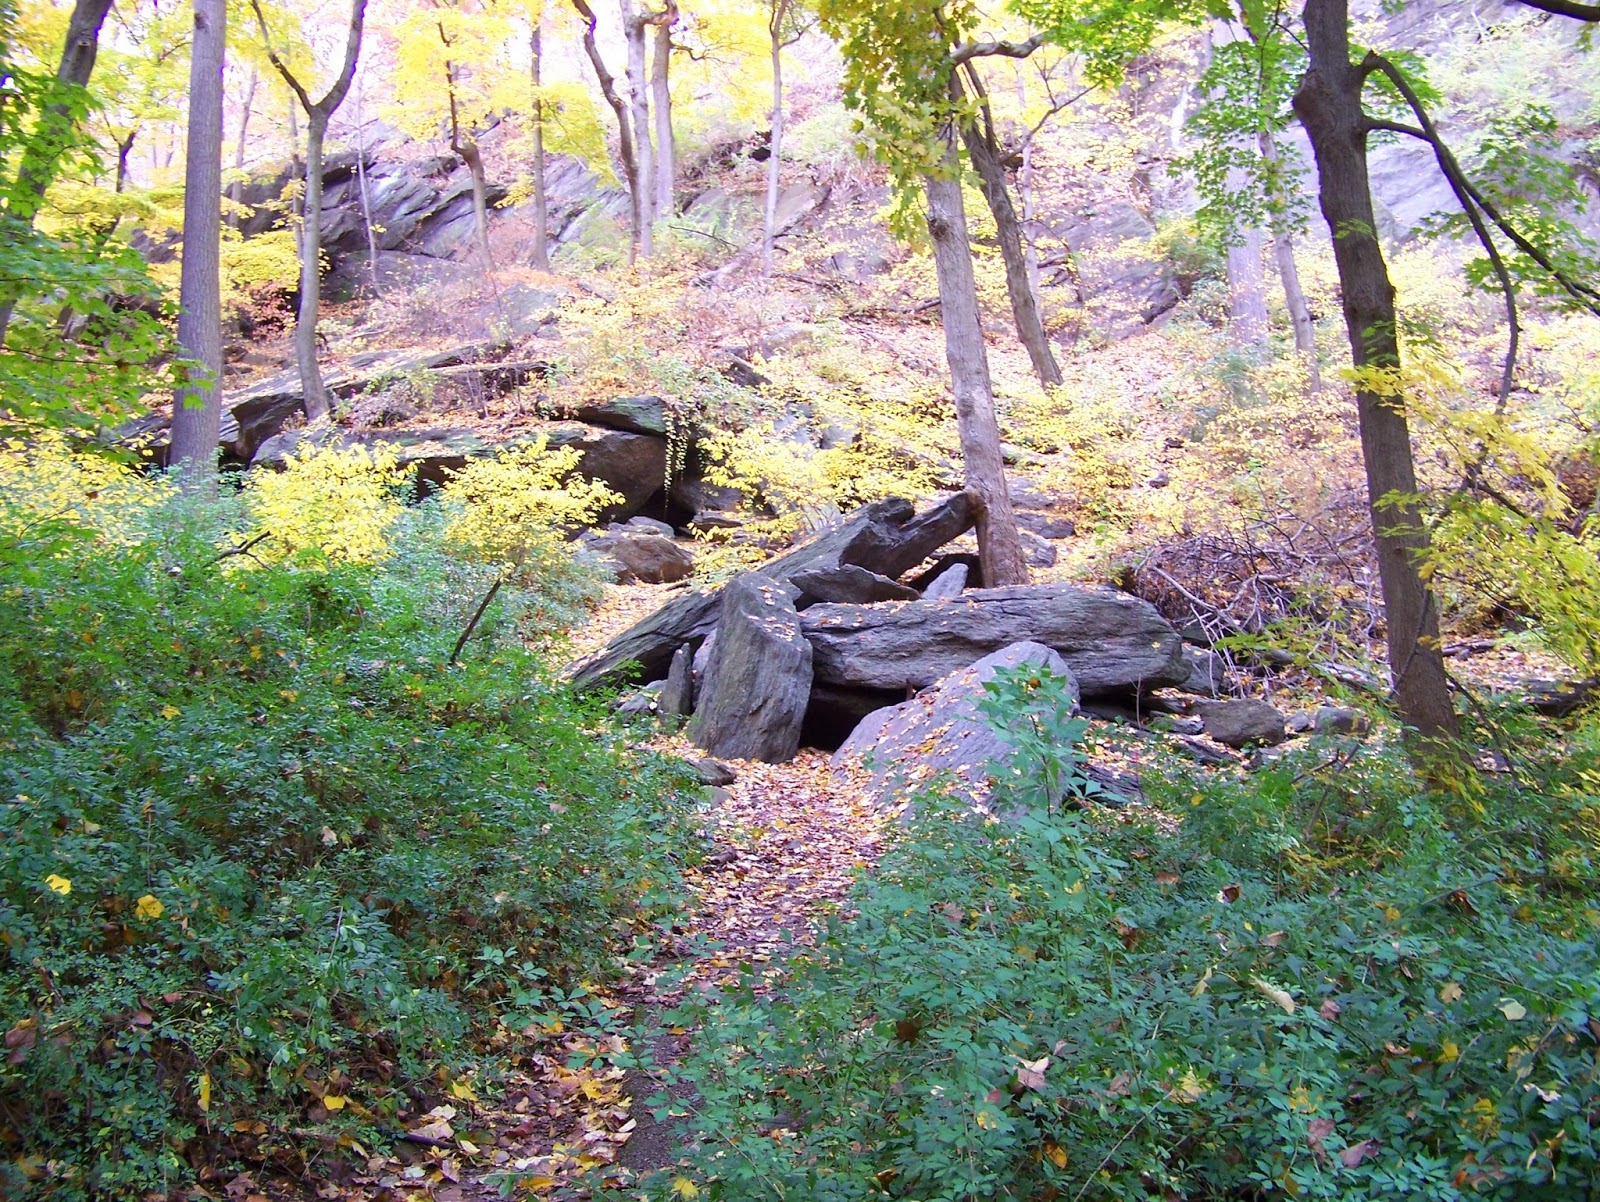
<point x="758" y="679"/>
<point x="941" y="733"/>
<point x="1242" y="723"/>
<point x="1115" y="644"/>
<point x="851" y="585"/>
<point x="638" y="555"/>
<point x="887" y="537"/>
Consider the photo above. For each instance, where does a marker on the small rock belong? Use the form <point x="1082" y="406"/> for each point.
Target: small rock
<point x="1159" y="480"/>
<point x="947" y="584"/>
<point x="650" y="526"/>
<point x="641" y="701"/>
<point x="1334" y="719"/>
<point x="1044" y="525"/>
<point x="1241" y="723"/>
<point x="715" y="519"/>
<point x="1299" y="724"/>
<point x="1040" y="552"/>
<point x="677" y="691"/>
<point x="1208" y="672"/>
<point x="647" y="558"/>
<point x="712" y="772"/>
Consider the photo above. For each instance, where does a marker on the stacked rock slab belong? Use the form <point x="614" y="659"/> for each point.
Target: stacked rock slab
<point x="758" y="678"/>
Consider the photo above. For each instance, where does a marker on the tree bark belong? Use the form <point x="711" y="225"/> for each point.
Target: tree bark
<point x="318" y="404"/>
<point x="197" y="405"/>
<point x="236" y="192"/>
<point x="1305" y="328"/>
<point x="635" y="179"/>
<point x="56" y="129"/>
<point x="541" y="203"/>
<point x="362" y="190"/>
<point x="999" y="544"/>
<point x="983" y="149"/>
<point x="777" y="15"/>
<point x="466" y="146"/>
<point x="1247" y="293"/>
<point x="633" y="27"/>
<point x="1328" y="103"/>
<point x="661" y="92"/>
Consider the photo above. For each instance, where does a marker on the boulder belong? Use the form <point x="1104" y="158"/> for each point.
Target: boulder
<point x="1337" y="720"/>
<point x="633" y="465"/>
<point x="1208" y="672"/>
<point x="951" y="582"/>
<point x="924" y="580"/>
<point x="677" y="691"/>
<point x="713" y="773"/>
<point x="850" y="584"/>
<point x="1039" y="551"/>
<point x="1241" y="723"/>
<point x="641" y="524"/>
<point x="1045" y="525"/>
<point x="699" y="496"/>
<point x="833" y="713"/>
<point x="886" y="537"/>
<point x="635" y="414"/>
<point x="645" y="558"/>
<point x="941" y="733"/>
<point x="1114" y="643"/>
<point x="758" y="679"/>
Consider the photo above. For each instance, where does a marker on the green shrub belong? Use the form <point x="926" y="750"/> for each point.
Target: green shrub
<point x="1314" y="985"/>
<point x="262" y="847"/>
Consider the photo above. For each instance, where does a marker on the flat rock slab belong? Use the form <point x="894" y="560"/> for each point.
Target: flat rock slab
<point x="851" y="585"/>
<point x="758" y="679"/>
<point x="1113" y="643"/>
<point x="1242" y="723"/>
<point x="941" y="735"/>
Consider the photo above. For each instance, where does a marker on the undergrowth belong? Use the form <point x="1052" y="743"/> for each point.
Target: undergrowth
<point x="1319" y="982"/>
<point x="276" y="875"/>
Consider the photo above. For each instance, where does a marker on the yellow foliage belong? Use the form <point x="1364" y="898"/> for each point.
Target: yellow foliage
<point x="514" y="509"/>
<point x="333" y="502"/>
<point x="48" y="480"/>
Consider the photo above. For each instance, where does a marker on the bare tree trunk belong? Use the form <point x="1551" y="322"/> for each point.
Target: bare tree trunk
<point x="541" y="203"/>
<point x="124" y="149"/>
<point x="468" y="150"/>
<point x="361" y="183"/>
<point x="635" y="178"/>
<point x="769" y="211"/>
<point x="197" y="405"/>
<point x="1247" y="293"/>
<point x="1030" y="247"/>
<point x="984" y="151"/>
<point x="999" y="544"/>
<point x="633" y="26"/>
<point x="318" y="404"/>
<point x="1305" y="329"/>
<point x="1329" y="105"/>
<point x="236" y="192"/>
<point x="56" y="129"/>
<point x="297" y="172"/>
<point x="661" y="90"/>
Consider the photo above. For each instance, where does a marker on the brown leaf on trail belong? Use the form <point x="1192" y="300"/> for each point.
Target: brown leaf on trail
<point x="1318" y="1130"/>
<point x="906" y="1030"/>
<point x="1355" y="1154"/>
<point x="1030" y="1073"/>
<point x="1275" y="939"/>
<point x="1330" y="1010"/>
<point x="1128" y="934"/>
<point x="1166" y="878"/>
<point x="1229" y="894"/>
<point x="1119" y="1086"/>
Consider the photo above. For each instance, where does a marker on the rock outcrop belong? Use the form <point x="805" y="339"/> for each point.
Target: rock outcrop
<point x="752" y="700"/>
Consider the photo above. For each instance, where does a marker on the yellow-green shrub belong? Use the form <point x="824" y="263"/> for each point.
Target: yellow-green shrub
<point x="514" y="508"/>
<point x="338" y="503"/>
<point x="47" y="480"/>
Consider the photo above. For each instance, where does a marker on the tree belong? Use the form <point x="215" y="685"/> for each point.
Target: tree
<point x="541" y="207"/>
<point x="60" y="116"/>
<point x="318" y="404"/>
<point x="1330" y="106"/>
<point x="197" y="407"/>
<point x="661" y="98"/>
<point x="635" y="172"/>
<point x="787" y="22"/>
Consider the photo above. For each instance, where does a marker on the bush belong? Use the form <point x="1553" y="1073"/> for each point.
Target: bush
<point x="263" y="849"/>
<point x="1317" y="984"/>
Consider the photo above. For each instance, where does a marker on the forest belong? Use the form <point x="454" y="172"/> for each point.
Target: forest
<point x="799" y="599"/>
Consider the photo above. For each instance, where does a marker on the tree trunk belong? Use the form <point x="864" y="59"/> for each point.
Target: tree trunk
<point x="297" y="172"/>
<point x="468" y="150"/>
<point x="999" y="544"/>
<point x="1247" y="293"/>
<point x="984" y="151"/>
<point x="769" y="212"/>
<point x="633" y="177"/>
<point x="661" y="91"/>
<point x="541" y="203"/>
<point x="57" y="127"/>
<point x="362" y="190"/>
<point x="1030" y="247"/>
<point x="633" y="27"/>
<point x="1305" y="329"/>
<point x="318" y="404"/>
<point x="236" y="192"/>
<point x="197" y="406"/>
<point x="1328" y="104"/>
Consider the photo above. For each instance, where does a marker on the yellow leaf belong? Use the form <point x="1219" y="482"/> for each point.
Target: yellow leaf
<point x="1056" y="1153"/>
<point x="170" y="711"/>
<point x="1513" y="1009"/>
<point x="592" y="1090"/>
<point x="1390" y="914"/>
<point x="149" y="908"/>
<point x="1190" y="1087"/>
<point x="1449" y="1052"/>
<point x="334" y="1101"/>
<point x="205" y="1091"/>
<point x="1205" y="981"/>
<point x="462" y="1090"/>
<point x="1280" y="996"/>
<point x="538" y="1184"/>
<point x="685" y="1188"/>
<point x="1451" y="992"/>
<point x="58" y="884"/>
<point x="986" y="1120"/>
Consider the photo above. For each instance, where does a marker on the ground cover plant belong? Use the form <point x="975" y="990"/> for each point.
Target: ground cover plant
<point x="275" y="875"/>
<point x="1323" y="981"/>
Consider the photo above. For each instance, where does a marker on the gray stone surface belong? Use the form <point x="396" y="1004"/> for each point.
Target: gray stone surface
<point x="645" y="558"/>
<point x="636" y="414"/>
<point x="941" y="734"/>
<point x="1045" y="525"/>
<point x="1242" y="723"/>
<point x="1040" y="551"/>
<point x="852" y="585"/>
<point x="1208" y="672"/>
<point x="951" y="582"/>
<point x="1114" y="643"/>
<point x="677" y="691"/>
<point x="1337" y="720"/>
<point x="758" y="679"/>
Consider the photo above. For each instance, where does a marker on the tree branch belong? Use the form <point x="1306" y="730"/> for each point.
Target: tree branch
<point x="1566" y="8"/>
<point x="972" y="50"/>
